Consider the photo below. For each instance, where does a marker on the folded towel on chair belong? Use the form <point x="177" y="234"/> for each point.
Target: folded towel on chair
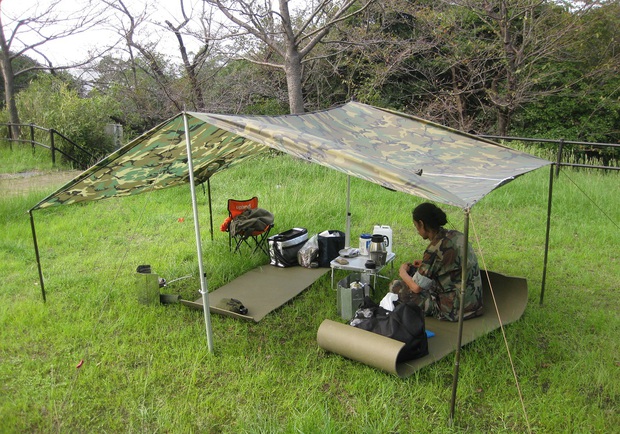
<point x="251" y="220"/>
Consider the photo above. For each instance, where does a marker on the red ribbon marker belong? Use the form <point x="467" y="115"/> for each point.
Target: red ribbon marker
<point x="79" y="365"/>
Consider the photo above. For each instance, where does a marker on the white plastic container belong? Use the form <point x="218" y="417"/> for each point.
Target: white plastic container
<point x="364" y="243"/>
<point x="387" y="231"/>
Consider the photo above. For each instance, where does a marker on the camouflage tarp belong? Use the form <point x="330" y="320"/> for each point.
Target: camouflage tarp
<point x="395" y="150"/>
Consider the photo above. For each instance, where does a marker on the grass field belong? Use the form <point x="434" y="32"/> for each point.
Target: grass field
<point x="147" y="368"/>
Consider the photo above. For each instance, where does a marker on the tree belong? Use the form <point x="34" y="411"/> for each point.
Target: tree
<point x="586" y="105"/>
<point x="29" y="34"/>
<point x="279" y="40"/>
<point x="144" y="31"/>
<point x="374" y="56"/>
<point x="515" y="42"/>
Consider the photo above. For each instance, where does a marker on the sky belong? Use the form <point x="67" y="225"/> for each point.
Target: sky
<point x="76" y="48"/>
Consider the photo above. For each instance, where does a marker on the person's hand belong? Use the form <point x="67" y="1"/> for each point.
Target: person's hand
<point x="402" y="271"/>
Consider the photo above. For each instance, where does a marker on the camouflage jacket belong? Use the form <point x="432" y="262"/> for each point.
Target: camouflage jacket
<point x="442" y="264"/>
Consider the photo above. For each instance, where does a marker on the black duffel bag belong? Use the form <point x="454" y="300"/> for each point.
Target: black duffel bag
<point x="405" y="324"/>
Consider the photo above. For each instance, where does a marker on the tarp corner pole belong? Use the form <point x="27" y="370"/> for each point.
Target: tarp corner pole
<point x="347" y="234"/>
<point x="210" y="208"/>
<point x="36" y="252"/>
<point x="457" y="357"/>
<point x="549" y="202"/>
<point x="203" y="276"/>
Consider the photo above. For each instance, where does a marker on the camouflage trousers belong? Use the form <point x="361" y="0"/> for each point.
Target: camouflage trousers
<point x="426" y="299"/>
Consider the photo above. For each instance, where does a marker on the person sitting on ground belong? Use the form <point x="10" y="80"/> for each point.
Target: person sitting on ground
<point x="434" y="282"/>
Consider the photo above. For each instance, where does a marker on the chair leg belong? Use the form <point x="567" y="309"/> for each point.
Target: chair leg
<point x="261" y="241"/>
<point x="240" y="241"/>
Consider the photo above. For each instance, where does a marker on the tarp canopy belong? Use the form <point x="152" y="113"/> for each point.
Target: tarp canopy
<point x="395" y="150"/>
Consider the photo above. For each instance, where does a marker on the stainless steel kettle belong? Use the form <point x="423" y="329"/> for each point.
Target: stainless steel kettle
<point x="377" y="250"/>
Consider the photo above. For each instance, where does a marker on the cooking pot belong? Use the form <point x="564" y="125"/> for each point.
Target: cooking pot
<point x="377" y="250"/>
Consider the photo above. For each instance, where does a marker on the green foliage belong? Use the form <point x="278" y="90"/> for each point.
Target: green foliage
<point x="446" y="62"/>
<point x="266" y="107"/>
<point x="582" y="100"/>
<point x="592" y="117"/>
<point x="52" y="103"/>
<point x="147" y="368"/>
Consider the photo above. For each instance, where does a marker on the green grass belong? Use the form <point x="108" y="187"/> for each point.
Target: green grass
<point x="147" y="368"/>
<point x="23" y="158"/>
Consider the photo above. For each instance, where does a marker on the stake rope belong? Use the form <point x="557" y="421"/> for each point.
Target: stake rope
<point x="591" y="200"/>
<point x="501" y="324"/>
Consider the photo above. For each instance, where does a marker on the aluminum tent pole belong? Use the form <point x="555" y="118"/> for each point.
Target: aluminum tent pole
<point x="549" y="201"/>
<point x="347" y="234"/>
<point x="203" y="276"/>
<point x="210" y="207"/>
<point x="457" y="357"/>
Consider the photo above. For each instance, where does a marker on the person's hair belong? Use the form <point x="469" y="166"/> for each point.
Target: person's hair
<point x="431" y="215"/>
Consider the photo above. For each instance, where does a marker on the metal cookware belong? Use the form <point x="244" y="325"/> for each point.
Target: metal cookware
<point x="377" y="250"/>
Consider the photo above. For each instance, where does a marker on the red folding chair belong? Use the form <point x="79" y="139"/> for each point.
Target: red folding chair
<point x="258" y="235"/>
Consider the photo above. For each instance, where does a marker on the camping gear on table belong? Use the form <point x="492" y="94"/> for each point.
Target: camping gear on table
<point x="370" y="264"/>
<point x="364" y="244"/>
<point x="284" y="246"/>
<point x="378" y="249"/>
<point x="387" y="231"/>
<point x="348" y="253"/>
<point x="330" y="243"/>
<point x="350" y="295"/>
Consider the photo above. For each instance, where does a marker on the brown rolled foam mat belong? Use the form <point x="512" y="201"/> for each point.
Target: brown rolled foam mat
<point x="510" y="295"/>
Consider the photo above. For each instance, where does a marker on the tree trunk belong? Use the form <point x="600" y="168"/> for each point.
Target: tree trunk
<point x="9" y="88"/>
<point x="503" y="120"/>
<point x="458" y="99"/>
<point x="293" y="70"/>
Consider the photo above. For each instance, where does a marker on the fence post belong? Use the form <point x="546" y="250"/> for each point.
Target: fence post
<point x="32" y="137"/>
<point x="9" y="133"/>
<point x="52" y="147"/>
<point x="560" y="149"/>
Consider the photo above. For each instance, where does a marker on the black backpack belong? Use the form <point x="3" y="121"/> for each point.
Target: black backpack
<point x="405" y="324"/>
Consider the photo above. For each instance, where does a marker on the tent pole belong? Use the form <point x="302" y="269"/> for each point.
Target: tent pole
<point x="549" y="201"/>
<point x="203" y="276"/>
<point x="36" y="252"/>
<point x="347" y="235"/>
<point x="457" y="357"/>
<point x="210" y="209"/>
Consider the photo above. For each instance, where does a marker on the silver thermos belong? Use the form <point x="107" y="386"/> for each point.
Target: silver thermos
<point x="377" y="250"/>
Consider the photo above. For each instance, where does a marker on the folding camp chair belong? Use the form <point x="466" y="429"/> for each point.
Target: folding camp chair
<point x="241" y="234"/>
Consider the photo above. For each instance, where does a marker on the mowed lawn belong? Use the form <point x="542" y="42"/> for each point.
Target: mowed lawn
<point x="93" y="359"/>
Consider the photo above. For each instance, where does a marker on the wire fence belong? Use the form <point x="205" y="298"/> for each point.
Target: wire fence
<point x="569" y="153"/>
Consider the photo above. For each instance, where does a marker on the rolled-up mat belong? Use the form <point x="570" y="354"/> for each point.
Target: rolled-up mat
<point x="357" y="344"/>
<point x="381" y="352"/>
